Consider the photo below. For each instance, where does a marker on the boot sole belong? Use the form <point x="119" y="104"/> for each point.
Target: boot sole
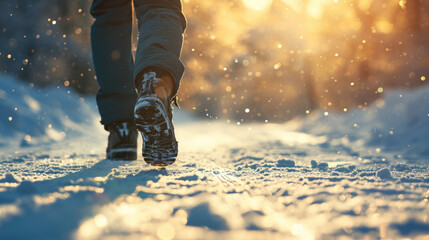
<point x="159" y="143"/>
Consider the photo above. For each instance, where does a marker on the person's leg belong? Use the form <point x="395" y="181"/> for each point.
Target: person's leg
<point x="158" y="71"/>
<point x="161" y="27"/>
<point x="114" y="67"/>
<point x="113" y="62"/>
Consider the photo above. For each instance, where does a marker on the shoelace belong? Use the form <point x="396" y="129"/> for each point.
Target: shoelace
<point x="124" y="131"/>
<point x="150" y="81"/>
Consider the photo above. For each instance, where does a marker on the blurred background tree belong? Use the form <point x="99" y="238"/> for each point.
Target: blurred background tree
<point x="47" y="43"/>
<point x="247" y="60"/>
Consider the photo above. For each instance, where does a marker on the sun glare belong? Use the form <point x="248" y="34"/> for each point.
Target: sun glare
<point x="258" y="5"/>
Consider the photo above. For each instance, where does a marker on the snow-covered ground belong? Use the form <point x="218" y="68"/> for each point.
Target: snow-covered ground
<point x="363" y="174"/>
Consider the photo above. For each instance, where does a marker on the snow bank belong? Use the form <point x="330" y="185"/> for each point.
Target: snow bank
<point x="399" y="121"/>
<point x="30" y="115"/>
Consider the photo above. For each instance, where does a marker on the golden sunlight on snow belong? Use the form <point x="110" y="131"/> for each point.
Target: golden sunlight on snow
<point x="210" y="137"/>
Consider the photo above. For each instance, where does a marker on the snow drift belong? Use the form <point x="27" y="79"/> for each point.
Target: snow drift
<point x="399" y="121"/>
<point x="29" y="114"/>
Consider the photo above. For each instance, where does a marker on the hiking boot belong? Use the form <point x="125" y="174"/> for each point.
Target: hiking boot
<point x="122" y="142"/>
<point x="153" y="116"/>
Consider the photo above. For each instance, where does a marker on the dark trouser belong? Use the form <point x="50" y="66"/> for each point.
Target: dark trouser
<point x="161" y="26"/>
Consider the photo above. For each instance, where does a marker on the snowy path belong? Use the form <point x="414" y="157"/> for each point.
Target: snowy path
<point x="370" y="176"/>
<point x="230" y="182"/>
